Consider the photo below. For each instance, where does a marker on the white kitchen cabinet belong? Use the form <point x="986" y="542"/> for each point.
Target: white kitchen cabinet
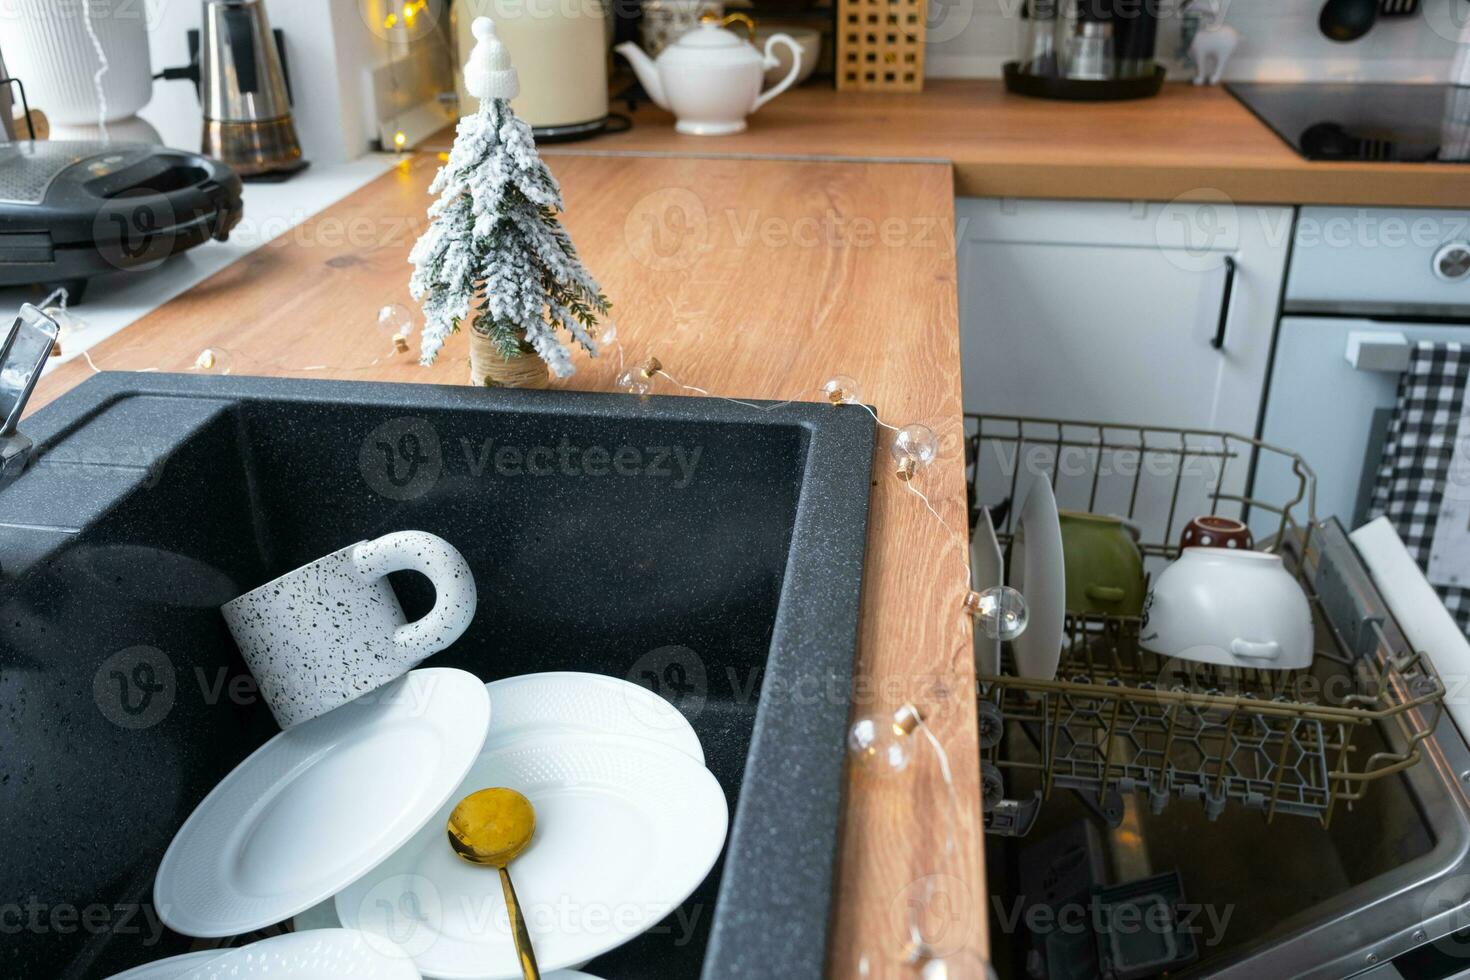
<point x="1119" y="312"/>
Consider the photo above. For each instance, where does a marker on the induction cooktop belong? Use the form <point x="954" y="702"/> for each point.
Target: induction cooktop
<point x="1396" y="123"/>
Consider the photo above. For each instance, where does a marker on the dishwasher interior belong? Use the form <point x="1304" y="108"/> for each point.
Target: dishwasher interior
<point x="1149" y="818"/>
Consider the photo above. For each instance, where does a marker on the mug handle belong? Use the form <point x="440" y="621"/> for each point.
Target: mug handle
<point x="441" y="563"/>
<point x="1256" y="649"/>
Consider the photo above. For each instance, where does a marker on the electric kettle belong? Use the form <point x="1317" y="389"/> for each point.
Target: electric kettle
<point x="559" y="48"/>
<point x="243" y="86"/>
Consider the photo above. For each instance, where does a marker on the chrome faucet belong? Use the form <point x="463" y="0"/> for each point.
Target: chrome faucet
<point x="22" y="356"/>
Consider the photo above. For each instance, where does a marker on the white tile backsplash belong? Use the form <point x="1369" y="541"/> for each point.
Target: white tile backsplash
<point x="1279" y="41"/>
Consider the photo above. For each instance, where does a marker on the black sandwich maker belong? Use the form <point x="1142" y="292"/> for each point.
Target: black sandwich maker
<point x="73" y="210"/>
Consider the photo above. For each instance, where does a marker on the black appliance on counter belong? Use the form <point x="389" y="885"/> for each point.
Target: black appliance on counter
<point x="1087" y="51"/>
<point x="1395" y="123"/>
<point x="70" y="211"/>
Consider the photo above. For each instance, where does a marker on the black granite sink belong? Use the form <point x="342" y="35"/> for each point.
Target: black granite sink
<point x="710" y="551"/>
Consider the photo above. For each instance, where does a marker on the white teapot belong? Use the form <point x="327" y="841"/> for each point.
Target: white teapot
<point x="710" y="79"/>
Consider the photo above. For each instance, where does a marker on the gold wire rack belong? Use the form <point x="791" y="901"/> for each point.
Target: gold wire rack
<point x="1120" y="720"/>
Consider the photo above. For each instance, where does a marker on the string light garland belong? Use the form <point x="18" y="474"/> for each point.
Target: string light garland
<point x="394" y="320"/>
<point x="842" y="390"/>
<point x="884" y="745"/>
<point x="71" y="327"/>
<point x="397" y="321"/>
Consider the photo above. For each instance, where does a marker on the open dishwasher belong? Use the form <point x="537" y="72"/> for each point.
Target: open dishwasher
<point x="1253" y="823"/>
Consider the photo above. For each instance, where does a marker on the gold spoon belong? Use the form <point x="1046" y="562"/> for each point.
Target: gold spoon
<point x="492" y="827"/>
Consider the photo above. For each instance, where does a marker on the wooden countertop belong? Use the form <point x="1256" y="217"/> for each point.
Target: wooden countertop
<point x="1190" y="142"/>
<point x="750" y="279"/>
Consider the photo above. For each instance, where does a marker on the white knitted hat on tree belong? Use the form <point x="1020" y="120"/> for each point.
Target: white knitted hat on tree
<point x="488" y="74"/>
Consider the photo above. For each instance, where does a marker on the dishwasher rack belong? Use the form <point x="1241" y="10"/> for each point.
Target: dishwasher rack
<point x="1119" y="720"/>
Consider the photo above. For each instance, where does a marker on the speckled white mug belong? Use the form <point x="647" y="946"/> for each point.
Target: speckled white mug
<point x="333" y="630"/>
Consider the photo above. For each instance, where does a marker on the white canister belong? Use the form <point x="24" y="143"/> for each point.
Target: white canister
<point x="47" y="47"/>
<point x="559" y="49"/>
<point x="665" y="21"/>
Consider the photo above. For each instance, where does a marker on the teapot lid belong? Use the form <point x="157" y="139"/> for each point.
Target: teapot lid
<point x="712" y="40"/>
<point x="709" y="34"/>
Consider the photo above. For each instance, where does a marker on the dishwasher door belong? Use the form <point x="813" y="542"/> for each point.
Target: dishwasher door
<point x="1387" y="881"/>
<point x="1333" y="413"/>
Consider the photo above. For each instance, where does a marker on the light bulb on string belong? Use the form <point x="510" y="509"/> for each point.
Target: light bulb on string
<point x="72" y="330"/>
<point x="607" y="335"/>
<point x="935" y="965"/>
<point x="633" y="383"/>
<point x="637" y="381"/>
<point x="884" y="744"/>
<point x="214" y="360"/>
<point x="1000" y="611"/>
<point x="841" y="389"/>
<point x="914" y="447"/>
<point x="397" y="321"/>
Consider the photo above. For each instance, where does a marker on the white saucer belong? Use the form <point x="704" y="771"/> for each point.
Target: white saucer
<point x="1039" y="571"/>
<point x="626" y="829"/>
<point x="591" y="703"/>
<point x="319" y="954"/>
<point x="171" y="968"/>
<point x="320" y="804"/>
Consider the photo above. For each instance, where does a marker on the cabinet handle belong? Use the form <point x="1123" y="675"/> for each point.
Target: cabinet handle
<point x="1218" y="341"/>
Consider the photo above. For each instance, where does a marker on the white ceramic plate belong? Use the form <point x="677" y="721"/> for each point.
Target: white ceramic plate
<point x="626" y="829"/>
<point x="593" y="703"/>
<point x="320" y="954"/>
<point x="1038" y="570"/>
<point x="171" y="968"/>
<point x="987" y="570"/>
<point x="317" y="806"/>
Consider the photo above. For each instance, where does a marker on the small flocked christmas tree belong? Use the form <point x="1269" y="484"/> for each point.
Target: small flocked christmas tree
<point x="495" y="252"/>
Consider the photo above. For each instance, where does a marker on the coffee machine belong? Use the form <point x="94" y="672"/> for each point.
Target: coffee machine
<point x="1087" y="50"/>
<point x="239" y="68"/>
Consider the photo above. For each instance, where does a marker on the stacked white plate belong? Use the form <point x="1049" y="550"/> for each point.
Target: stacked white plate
<point x="628" y="823"/>
<point x="318" y="954"/>
<point x="354" y="804"/>
<point x="318" y="805"/>
<point x="321" y="954"/>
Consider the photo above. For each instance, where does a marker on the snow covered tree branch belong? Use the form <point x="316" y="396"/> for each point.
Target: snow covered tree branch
<point x="495" y="253"/>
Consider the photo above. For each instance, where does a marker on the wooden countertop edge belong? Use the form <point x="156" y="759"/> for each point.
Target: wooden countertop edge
<point x="1189" y="142"/>
<point x="1344" y="185"/>
<point x="1335" y="184"/>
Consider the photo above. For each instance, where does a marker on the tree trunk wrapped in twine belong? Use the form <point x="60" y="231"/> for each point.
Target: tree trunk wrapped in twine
<point x="489" y="367"/>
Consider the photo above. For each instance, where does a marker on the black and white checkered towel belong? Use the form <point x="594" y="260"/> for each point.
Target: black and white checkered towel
<point x="1418" y="451"/>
